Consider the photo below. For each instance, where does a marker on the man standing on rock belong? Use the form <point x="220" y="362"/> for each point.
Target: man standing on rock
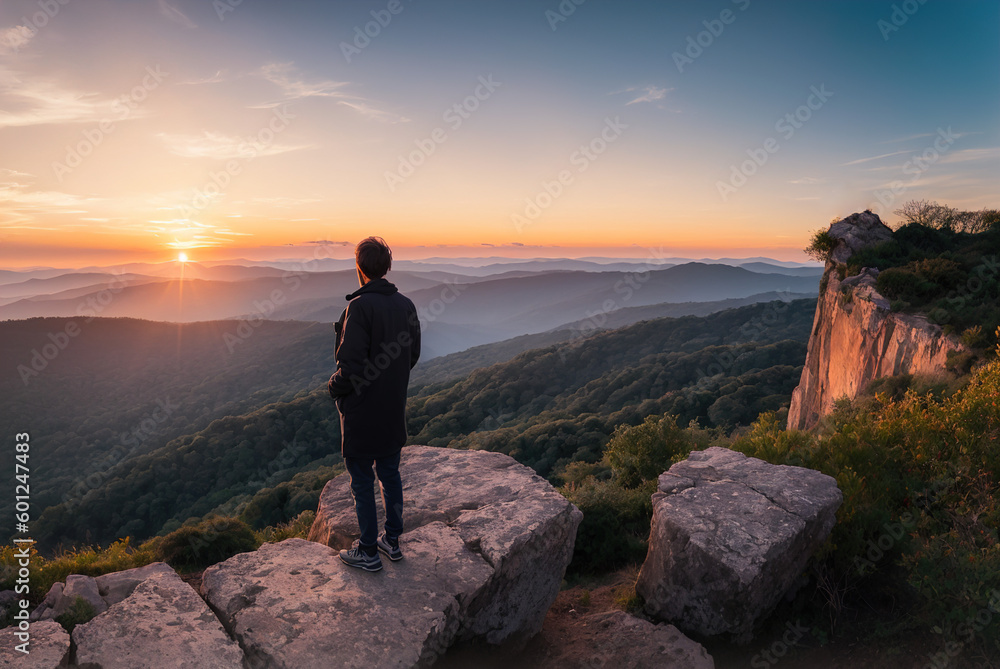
<point x="378" y="343"/>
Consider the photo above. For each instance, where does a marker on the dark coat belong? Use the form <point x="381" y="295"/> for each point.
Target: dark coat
<point x="378" y="342"/>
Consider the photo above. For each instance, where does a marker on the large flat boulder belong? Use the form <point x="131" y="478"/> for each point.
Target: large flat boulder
<point x="163" y="623"/>
<point x="48" y="646"/>
<point x="295" y="605"/>
<point x="502" y="511"/>
<point x="729" y="538"/>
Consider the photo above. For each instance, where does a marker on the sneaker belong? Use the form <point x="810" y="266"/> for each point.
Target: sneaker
<point x="357" y="557"/>
<point x="389" y="546"/>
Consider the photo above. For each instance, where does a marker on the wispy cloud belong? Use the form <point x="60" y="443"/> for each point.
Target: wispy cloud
<point x="12" y="39"/>
<point x="365" y="109"/>
<point x="176" y="15"/>
<point x="19" y="203"/>
<point x="926" y="134"/>
<point x="13" y="174"/>
<point x="294" y="87"/>
<point x="649" y="94"/>
<point x="219" y="146"/>
<point x="283" y="202"/>
<point x="948" y="158"/>
<point x="214" y="79"/>
<point x="871" y="158"/>
<point x="40" y="101"/>
<point x="18" y="194"/>
<point x="185" y="233"/>
<point x="808" y="181"/>
<point x="971" y="155"/>
<point x="908" y="138"/>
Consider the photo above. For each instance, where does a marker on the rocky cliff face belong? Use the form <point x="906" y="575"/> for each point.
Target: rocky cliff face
<point x="855" y="337"/>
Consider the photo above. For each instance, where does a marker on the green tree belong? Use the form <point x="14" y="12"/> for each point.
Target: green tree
<point x="642" y="452"/>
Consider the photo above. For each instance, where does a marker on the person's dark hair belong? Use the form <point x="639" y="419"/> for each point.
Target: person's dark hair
<point x="374" y="257"/>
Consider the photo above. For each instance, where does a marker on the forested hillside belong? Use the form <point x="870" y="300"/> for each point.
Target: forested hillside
<point x="123" y="387"/>
<point x="546" y="407"/>
<point x="455" y="365"/>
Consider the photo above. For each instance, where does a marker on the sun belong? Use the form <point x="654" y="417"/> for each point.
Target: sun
<point x="182" y="257"/>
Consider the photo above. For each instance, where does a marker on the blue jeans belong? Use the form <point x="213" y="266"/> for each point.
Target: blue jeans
<point x="362" y="489"/>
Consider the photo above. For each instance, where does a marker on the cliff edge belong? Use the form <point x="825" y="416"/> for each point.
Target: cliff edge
<point x="856" y="338"/>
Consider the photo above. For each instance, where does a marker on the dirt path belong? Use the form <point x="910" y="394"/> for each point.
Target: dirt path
<point x="566" y="642"/>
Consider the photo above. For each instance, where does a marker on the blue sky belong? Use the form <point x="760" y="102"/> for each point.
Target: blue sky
<point x="677" y="175"/>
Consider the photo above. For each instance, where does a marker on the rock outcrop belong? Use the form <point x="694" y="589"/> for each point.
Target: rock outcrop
<point x="730" y="536"/>
<point x="61" y="597"/>
<point x="486" y="545"/>
<point x="295" y="605"/>
<point x="501" y="510"/>
<point x="162" y="623"/>
<point x="856" y="338"/>
<point x="48" y="647"/>
<point x="118" y="585"/>
<point x="100" y="592"/>
<point x="617" y="640"/>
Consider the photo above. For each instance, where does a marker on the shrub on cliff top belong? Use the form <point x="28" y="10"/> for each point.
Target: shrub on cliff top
<point x="942" y="271"/>
<point x="821" y="245"/>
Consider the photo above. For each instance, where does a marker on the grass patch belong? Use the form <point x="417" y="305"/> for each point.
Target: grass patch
<point x="79" y="612"/>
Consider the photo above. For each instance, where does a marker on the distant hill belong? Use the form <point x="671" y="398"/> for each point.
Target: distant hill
<point x="546" y="407"/>
<point x="771" y="268"/>
<point x="63" y="282"/>
<point x="504" y="308"/>
<point x="536" y="266"/>
<point x="455" y="365"/>
<point x="549" y="406"/>
<point x="123" y="387"/>
<point x="459" y="309"/>
<point x="201" y="300"/>
<point x="628" y="315"/>
<point x="18" y="276"/>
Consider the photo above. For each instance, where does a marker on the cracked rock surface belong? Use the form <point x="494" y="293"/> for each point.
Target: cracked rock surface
<point x="730" y="536"/>
<point x="48" y="646"/>
<point x="486" y="546"/>
<point x="162" y="623"/>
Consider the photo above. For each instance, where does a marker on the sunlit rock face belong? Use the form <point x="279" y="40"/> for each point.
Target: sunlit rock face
<point x="856" y="338"/>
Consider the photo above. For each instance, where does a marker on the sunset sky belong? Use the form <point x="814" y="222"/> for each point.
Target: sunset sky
<point x="134" y="130"/>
